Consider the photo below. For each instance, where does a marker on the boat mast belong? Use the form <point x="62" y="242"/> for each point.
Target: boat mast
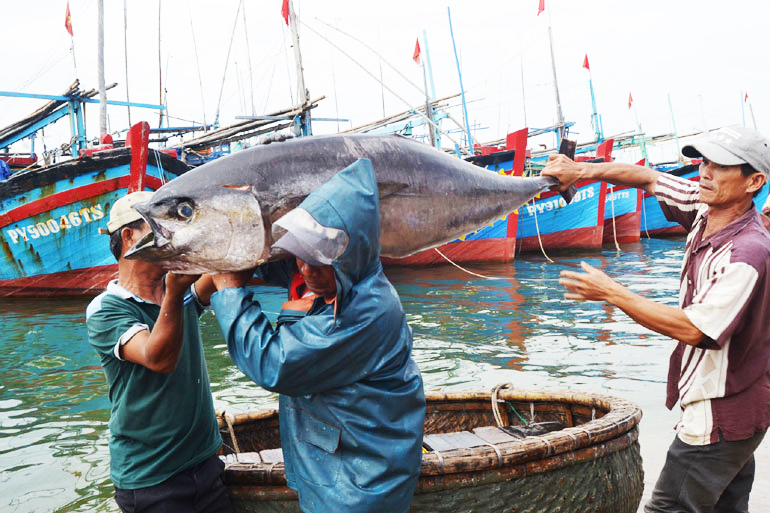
<point x="559" y="115"/>
<point x="429" y="97"/>
<point x="673" y="123"/>
<point x="302" y="123"/>
<point x="100" y="62"/>
<point x="462" y="89"/>
<point x="595" y="120"/>
<point x="125" y="51"/>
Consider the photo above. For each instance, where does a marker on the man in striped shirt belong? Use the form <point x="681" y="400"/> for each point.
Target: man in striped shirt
<point x="719" y="368"/>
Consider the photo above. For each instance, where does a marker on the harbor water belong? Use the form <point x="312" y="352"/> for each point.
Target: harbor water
<point x="470" y="333"/>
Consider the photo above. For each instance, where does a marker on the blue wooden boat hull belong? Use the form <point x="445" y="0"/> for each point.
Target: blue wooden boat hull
<point x="550" y="221"/>
<point x="622" y="214"/>
<point x="50" y="220"/>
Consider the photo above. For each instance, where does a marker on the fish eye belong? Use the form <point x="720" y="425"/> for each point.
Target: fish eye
<point x="185" y="210"/>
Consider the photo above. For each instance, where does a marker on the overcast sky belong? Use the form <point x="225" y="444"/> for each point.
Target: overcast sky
<point x="705" y="55"/>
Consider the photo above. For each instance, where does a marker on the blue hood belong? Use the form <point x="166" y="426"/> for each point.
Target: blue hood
<point x="350" y="202"/>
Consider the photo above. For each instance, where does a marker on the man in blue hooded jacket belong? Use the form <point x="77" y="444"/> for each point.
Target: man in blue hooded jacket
<point x="352" y="406"/>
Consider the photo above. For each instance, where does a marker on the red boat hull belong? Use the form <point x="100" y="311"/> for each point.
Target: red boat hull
<point x="589" y="237"/>
<point x="666" y="232"/>
<point x="479" y="250"/>
<point x="81" y="282"/>
<point x="626" y="229"/>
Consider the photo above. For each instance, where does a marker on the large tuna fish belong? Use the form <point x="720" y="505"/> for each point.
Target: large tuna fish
<point x="219" y="216"/>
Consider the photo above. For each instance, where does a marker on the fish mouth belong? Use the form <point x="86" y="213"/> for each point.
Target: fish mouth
<point x="145" y="245"/>
<point x="158" y="238"/>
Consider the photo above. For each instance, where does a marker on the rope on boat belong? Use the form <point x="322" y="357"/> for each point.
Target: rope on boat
<point x="270" y="472"/>
<point x="462" y="268"/>
<point x="614" y="231"/>
<point x="497" y="451"/>
<point x="537" y="230"/>
<point x="229" y="421"/>
<point x="495" y="403"/>
<point x="548" y="446"/>
<point x="440" y="460"/>
<point x="584" y="430"/>
<point x="161" y="171"/>
<point x="644" y="216"/>
<point x="510" y="406"/>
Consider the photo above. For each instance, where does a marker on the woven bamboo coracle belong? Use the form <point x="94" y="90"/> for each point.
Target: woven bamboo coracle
<point x="592" y="464"/>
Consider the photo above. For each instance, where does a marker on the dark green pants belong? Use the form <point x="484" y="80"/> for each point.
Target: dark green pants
<point x="199" y="489"/>
<point x="714" y="478"/>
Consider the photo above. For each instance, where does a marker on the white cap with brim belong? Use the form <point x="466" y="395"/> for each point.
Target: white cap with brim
<point x="733" y="146"/>
<point x="123" y="211"/>
<point x="309" y="240"/>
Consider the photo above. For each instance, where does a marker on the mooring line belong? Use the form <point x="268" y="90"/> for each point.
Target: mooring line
<point x="614" y="232"/>
<point x="464" y="269"/>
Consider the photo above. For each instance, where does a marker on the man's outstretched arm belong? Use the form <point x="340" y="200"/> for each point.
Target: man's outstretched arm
<point x="569" y="172"/>
<point x="594" y="285"/>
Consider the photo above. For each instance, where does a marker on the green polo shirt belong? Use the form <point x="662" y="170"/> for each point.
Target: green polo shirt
<point x="160" y="424"/>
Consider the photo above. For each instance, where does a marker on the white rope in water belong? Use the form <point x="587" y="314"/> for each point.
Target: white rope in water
<point x="462" y="268"/>
<point x="537" y="230"/>
<point x="614" y="231"/>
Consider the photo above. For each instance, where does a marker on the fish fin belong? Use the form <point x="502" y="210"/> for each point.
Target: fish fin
<point x="567" y="148"/>
<point x="390" y="188"/>
<point x="569" y="193"/>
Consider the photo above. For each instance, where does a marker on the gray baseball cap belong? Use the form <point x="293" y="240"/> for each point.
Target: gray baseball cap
<point x="733" y="146"/>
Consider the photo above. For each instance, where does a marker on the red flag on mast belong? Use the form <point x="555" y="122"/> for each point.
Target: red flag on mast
<point x="416" y="55"/>
<point x="585" y="63"/>
<point x="541" y="7"/>
<point x="68" y="20"/>
<point x="630" y="100"/>
<point x="746" y="98"/>
<point x="285" y="11"/>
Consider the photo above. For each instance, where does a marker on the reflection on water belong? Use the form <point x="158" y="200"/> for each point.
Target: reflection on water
<point x="469" y="333"/>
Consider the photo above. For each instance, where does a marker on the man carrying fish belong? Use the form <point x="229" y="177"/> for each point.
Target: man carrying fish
<point x="720" y="366"/>
<point x="352" y="406"/>
<point x="163" y="429"/>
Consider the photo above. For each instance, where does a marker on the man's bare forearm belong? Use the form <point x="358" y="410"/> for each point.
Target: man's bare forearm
<point x="569" y="172"/>
<point x="595" y="285"/>
<point x="666" y="320"/>
<point x="164" y="344"/>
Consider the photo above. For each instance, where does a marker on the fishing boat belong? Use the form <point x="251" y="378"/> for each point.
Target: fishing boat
<point x="51" y="213"/>
<point x="50" y="217"/>
<point x="538" y="450"/>
<point x="550" y="223"/>
<point x="654" y="222"/>
<point x="622" y="214"/>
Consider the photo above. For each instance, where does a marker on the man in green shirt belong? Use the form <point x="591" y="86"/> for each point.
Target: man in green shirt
<point x="163" y="429"/>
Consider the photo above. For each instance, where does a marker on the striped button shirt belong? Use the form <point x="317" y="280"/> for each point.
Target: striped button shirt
<point x="723" y="384"/>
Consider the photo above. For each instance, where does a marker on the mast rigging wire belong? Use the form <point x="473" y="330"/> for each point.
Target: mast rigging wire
<point x="227" y="59"/>
<point x="248" y="54"/>
<point x="388" y="88"/>
<point x="198" y="63"/>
